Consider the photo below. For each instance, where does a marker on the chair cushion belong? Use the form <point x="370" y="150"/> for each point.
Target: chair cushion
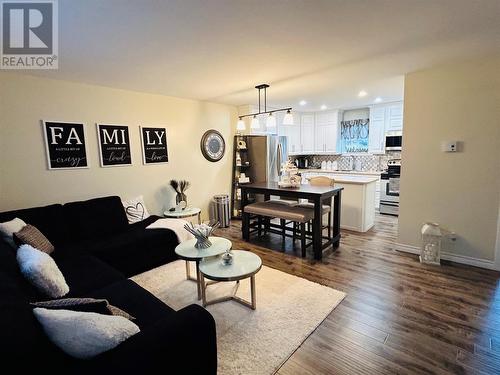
<point x="298" y="214"/>
<point x="326" y="208"/>
<point x="95" y="218"/>
<point x="285" y="202"/>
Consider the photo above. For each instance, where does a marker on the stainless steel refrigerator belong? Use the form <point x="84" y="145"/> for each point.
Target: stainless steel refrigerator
<point x="266" y="154"/>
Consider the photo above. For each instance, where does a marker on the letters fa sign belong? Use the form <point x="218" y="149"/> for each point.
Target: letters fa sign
<point x="65" y="145"/>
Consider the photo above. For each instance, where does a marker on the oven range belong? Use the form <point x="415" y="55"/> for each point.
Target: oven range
<point x="389" y="188"/>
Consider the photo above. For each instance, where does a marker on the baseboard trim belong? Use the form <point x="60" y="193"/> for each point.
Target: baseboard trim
<point x="462" y="259"/>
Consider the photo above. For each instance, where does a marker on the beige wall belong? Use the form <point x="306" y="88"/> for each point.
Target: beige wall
<point x="25" y="180"/>
<point x="461" y="191"/>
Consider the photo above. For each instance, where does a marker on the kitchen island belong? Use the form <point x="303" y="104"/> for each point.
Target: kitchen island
<point x="358" y="199"/>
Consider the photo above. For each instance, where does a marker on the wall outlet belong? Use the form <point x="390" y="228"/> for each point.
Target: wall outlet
<point x="449" y="146"/>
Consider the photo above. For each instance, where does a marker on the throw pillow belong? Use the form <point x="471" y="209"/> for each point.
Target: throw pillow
<point x="30" y="235"/>
<point x="100" y="306"/>
<point x="135" y="209"/>
<point x="41" y="271"/>
<point x="84" y="334"/>
<point x="8" y="229"/>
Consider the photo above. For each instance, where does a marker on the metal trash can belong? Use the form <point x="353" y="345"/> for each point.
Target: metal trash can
<point x="221" y="210"/>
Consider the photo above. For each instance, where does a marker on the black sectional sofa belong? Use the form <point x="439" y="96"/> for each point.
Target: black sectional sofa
<point x="96" y="250"/>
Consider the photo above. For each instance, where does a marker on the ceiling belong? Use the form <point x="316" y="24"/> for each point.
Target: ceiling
<point x="321" y="51"/>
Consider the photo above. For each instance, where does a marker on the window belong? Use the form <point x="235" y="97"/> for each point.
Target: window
<point x="354" y="135"/>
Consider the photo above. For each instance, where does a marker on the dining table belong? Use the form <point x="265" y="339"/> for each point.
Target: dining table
<point x="318" y="195"/>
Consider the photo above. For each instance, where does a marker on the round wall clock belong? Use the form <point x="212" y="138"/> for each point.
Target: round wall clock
<point x="212" y="145"/>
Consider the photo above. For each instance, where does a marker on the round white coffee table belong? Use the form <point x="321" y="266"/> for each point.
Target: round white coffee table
<point x="188" y="212"/>
<point x="187" y="251"/>
<point x="245" y="265"/>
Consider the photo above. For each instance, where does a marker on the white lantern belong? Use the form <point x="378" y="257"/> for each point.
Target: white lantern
<point x="431" y="244"/>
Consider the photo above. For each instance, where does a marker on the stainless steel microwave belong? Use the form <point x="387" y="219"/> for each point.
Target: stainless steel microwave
<point x="393" y="141"/>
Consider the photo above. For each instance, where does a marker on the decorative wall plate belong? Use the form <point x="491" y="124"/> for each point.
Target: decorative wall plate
<point x="212" y="145"/>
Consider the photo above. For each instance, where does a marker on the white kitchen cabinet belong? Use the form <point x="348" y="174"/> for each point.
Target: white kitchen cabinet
<point x="376" y="135"/>
<point x="325" y="132"/>
<point x="307" y="133"/>
<point x="394" y="120"/>
<point x="292" y="132"/>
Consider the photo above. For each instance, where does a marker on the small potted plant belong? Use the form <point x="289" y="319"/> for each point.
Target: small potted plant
<point x="180" y="187"/>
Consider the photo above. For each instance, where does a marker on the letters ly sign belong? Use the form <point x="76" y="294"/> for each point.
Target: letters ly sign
<point x="65" y="145"/>
<point x="114" y="145"/>
<point x="154" y="145"/>
<point x="29" y="34"/>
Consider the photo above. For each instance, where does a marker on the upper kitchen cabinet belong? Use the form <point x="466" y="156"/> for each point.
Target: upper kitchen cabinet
<point x="307" y="133"/>
<point x="292" y="132"/>
<point x="394" y="113"/>
<point x="384" y="118"/>
<point x="325" y="132"/>
<point x="376" y="134"/>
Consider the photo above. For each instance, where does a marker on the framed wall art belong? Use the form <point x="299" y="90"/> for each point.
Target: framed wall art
<point x="154" y="145"/>
<point x="114" y="145"/>
<point x="65" y="145"/>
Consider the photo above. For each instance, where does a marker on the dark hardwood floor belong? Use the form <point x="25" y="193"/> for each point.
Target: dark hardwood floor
<point x="399" y="316"/>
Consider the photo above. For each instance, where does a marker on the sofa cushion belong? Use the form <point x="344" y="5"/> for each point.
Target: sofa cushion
<point x="9" y="228"/>
<point x="131" y="252"/>
<point x="84" y="334"/>
<point x="138" y="302"/>
<point x="41" y="270"/>
<point x="30" y="235"/>
<point x="85" y="273"/>
<point x="48" y="219"/>
<point x="95" y="218"/>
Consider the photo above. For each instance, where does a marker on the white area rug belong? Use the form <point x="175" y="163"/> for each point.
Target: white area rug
<point x="289" y="308"/>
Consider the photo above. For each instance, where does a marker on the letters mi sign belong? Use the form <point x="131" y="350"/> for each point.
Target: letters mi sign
<point x="114" y="145"/>
<point x="29" y="34"/>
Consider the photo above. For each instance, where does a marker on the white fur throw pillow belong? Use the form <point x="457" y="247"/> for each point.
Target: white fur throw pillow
<point x="8" y="229"/>
<point x="135" y="209"/>
<point x="84" y="334"/>
<point x="41" y="271"/>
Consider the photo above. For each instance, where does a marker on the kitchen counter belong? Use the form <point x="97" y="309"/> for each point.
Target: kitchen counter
<point x="359" y="197"/>
<point x="368" y="173"/>
<point x="357" y="180"/>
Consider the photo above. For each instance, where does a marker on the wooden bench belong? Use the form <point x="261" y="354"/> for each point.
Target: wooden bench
<point x="284" y="212"/>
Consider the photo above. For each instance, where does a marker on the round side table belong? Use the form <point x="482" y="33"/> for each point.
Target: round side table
<point x="187" y="251"/>
<point x="188" y="212"/>
<point x="245" y="265"/>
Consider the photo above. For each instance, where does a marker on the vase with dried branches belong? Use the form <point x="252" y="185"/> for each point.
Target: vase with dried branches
<point x="180" y="187"/>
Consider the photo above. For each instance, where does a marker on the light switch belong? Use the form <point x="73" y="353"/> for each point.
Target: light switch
<point x="449" y="146"/>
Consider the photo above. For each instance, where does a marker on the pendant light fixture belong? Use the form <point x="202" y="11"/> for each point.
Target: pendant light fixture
<point x="240" y="125"/>
<point x="271" y="119"/>
<point x="288" y="119"/>
<point x="255" y="124"/>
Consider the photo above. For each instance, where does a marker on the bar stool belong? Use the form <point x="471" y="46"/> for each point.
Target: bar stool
<point x="326" y="209"/>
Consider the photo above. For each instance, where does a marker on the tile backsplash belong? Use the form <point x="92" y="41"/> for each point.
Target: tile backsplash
<point x="368" y="162"/>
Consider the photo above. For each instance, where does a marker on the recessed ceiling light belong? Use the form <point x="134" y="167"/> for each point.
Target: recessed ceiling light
<point x="323" y="107"/>
<point x="362" y="93"/>
<point x="302" y="102"/>
<point x="378" y="99"/>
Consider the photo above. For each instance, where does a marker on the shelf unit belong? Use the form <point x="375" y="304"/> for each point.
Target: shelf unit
<point x="240" y="165"/>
